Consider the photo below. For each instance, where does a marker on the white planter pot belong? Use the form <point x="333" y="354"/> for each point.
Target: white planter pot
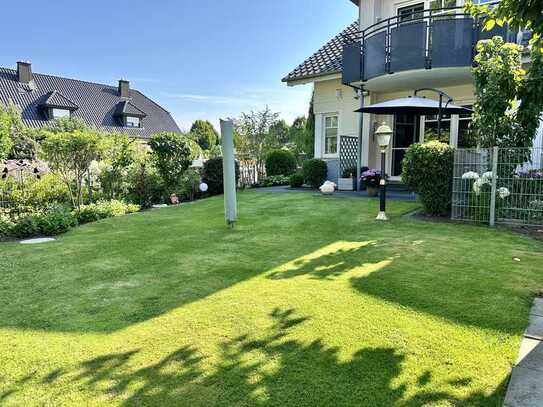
<point x="345" y="184"/>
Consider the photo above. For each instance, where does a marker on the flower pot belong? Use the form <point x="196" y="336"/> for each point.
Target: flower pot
<point x="345" y="184"/>
<point x="373" y="191"/>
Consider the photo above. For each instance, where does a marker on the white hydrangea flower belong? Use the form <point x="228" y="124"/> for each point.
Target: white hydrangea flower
<point x="488" y="176"/>
<point x="503" y="192"/>
<point x="478" y="184"/>
<point x="470" y="175"/>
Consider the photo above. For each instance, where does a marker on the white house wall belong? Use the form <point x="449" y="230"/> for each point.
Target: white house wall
<point x="373" y="11"/>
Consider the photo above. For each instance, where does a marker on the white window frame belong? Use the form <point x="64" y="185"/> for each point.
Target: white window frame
<point x="127" y="118"/>
<point x="66" y="113"/>
<point x="323" y="137"/>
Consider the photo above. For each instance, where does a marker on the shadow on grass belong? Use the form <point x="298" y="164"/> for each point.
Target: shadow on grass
<point x="464" y="295"/>
<point x="268" y="370"/>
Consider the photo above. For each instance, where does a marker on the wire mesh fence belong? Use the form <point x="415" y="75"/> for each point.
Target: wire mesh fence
<point x="498" y="185"/>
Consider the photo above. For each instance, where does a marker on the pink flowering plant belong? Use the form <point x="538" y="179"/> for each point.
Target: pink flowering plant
<point x="371" y="178"/>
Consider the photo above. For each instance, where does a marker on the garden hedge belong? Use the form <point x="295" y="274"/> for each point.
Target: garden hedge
<point x="280" y="162"/>
<point x="428" y="171"/>
<point x="212" y="175"/>
<point x="314" y="172"/>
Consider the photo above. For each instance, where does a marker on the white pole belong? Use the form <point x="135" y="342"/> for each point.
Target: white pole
<point x="229" y="171"/>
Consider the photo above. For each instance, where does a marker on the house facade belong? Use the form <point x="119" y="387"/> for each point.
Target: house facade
<point x="405" y="45"/>
<point x="43" y="98"/>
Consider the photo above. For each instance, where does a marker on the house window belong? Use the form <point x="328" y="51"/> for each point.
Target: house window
<point x="430" y="128"/>
<point x="439" y="4"/>
<point x="131" y="121"/>
<point x="330" y="134"/>
<point x="413" y="12"/>
<point x="59" y="113"/>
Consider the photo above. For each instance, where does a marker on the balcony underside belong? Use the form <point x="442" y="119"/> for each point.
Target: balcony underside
<point x="409" y="80"/>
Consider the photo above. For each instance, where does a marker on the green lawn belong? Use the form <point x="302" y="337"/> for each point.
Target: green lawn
<point x="307" y="302"/>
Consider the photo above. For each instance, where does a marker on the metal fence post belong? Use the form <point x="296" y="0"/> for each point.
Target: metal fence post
<point x="492" y="219"/>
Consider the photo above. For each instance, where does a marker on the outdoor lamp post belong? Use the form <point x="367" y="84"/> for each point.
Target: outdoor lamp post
<point x="383" y="133"/>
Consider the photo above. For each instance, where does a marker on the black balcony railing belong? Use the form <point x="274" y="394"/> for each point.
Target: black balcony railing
<point x="435" y="38"/>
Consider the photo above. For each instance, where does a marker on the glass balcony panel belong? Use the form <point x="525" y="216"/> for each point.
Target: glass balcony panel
<point x="452" y="41"/>
<point x="375" y="55"/>
<point x="408" y="47"/>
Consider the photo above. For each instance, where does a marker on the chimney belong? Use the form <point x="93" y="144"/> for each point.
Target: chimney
<point x="124" y="88"/>
<point x="24" y="72"/>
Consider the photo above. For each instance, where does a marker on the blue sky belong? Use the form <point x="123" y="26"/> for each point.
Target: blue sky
<point x="200" y="59"/>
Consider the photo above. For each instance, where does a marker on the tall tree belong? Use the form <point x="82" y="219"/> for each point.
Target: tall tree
<point x="172" y="156"/>
<point x="521" y="14"/>
<point x="279" y="133"/>
<point x="500" y="83"/>
<point x="203" y="132"/>
<point x="69" y="155"/>
<point x="5" y="133"/>
<point x="253" y="134"/>
<point x="310" y="129"/>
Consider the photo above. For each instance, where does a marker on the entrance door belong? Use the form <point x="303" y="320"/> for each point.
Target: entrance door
<point x="406" y="132"/>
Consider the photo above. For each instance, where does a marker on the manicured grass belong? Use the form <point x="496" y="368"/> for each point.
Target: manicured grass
<point x="308" y="301"/>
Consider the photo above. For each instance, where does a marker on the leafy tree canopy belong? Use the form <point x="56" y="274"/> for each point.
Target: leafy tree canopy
<point x="172" y="155"/>
<point x="203" y="132"/>
<point x="500" y="82"/>
<point x="70" y="154"/>
<point x="5" y="133"/>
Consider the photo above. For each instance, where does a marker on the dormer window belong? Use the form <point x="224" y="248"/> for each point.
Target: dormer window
<point x="59" y="113"/>
<point x="131" y="121"/>
<point x="129" y="115"/>
<point x="56" y="106"/>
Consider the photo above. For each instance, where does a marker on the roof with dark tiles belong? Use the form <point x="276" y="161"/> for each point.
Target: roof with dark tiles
<point x="327" y="60"/>
<point x="96" y="103"/>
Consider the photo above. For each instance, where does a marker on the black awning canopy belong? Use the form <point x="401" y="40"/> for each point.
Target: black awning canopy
<point x="414" y="105"/>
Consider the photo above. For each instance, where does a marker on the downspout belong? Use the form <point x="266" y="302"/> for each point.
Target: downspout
<point x="360" y="93"/>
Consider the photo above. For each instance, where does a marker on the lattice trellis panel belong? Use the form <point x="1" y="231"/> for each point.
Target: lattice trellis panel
<point x="348" y="146"/>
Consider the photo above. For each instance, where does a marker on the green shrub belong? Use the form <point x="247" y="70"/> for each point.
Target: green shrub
<point x="314" y="172"/>
<point x="104" y="209"/>
<point x="25" y="226"/>
<point x="296" y="180"/>
<point x="212" y="175"/>
<point x="428" y="171"/>
<point x="55" y="221"/>
<point x="280" y="162"/>
<point x="145" y="185"/>
<point x="172" y="155"/>
<point x="5" y="225"/>
<point x="274" y="180"/>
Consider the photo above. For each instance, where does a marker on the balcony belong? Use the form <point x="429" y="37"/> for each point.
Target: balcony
<point x="423" y="40"/>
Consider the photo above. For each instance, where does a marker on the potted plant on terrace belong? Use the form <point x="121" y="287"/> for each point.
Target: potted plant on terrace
<point x="371" y="179"/>
<point x="345" y="183"/>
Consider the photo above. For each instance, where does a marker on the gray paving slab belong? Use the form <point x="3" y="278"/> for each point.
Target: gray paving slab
<point x="37" y="240"/>
<point x="531" y="354"/>
<point x="537" y="308"/>
<point x="535" y="329"/>
<point x="525" y="388"/>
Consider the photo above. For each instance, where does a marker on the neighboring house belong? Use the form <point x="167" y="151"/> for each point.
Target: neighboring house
<point x="43" y="98"/>
<point x="406" y="45"/>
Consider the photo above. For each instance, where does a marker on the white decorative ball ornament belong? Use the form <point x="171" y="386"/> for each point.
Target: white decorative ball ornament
<point x="203" y="187"/>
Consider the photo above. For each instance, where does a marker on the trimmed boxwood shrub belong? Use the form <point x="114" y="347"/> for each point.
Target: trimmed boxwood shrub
<point x="296" y="180"/>
<point x="280" y="162"/>
<point x="427" y="169"/>
<point x="314" y="172"/>
<point x="212" y="175"/>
